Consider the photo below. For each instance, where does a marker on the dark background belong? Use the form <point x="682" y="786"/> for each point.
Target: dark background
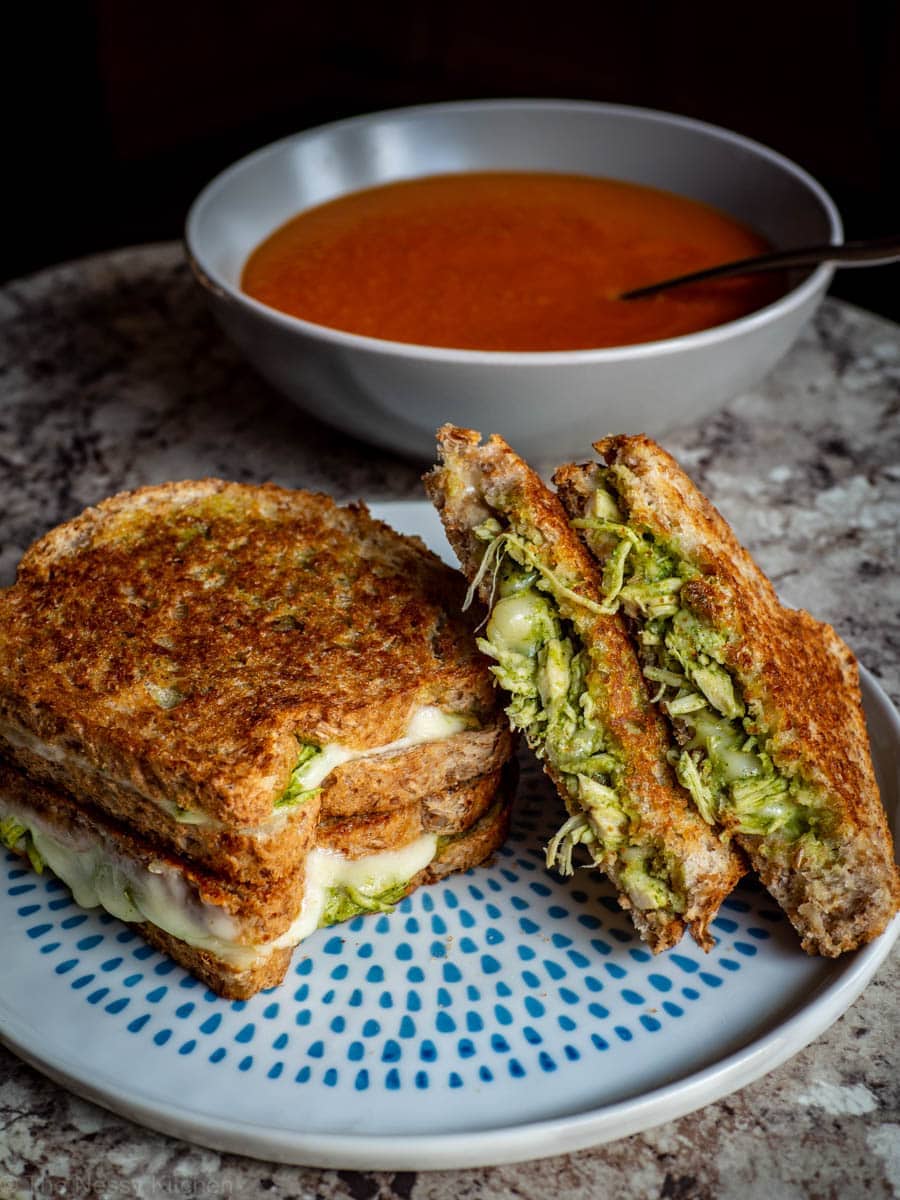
<point x="118" y="112"/>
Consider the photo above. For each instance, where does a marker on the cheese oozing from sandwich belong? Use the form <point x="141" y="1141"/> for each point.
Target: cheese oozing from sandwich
<point x="157" y="892"/>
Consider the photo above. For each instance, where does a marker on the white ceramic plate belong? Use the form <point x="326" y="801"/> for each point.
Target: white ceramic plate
<point x="502" y="1015"/>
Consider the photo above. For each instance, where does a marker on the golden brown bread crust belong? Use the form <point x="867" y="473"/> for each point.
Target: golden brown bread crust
<point x="799" y="680"/>
<point x="367" y="833"/>
<point x="477" y="481"/>
<point x="258" y="613"/>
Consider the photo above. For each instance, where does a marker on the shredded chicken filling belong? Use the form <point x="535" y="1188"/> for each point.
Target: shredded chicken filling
<point x="723" y="757"/>
<point x="542" y="665"/>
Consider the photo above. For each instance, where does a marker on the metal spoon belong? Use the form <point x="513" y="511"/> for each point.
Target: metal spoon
<point x="869" y="253"/>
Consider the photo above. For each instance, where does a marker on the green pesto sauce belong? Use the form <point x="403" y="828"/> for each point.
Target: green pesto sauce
<point x="541" y="664"/>
<point x="345" y="902"/>
<point x="17" y="838"/>
<point x="723" y="761"/>
<point x="297" y="792"/>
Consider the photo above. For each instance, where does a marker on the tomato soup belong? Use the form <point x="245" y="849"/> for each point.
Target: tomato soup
<point x="507" y="261"/>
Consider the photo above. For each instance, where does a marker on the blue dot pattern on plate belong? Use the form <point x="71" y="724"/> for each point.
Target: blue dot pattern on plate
<point x="506" y="972"/>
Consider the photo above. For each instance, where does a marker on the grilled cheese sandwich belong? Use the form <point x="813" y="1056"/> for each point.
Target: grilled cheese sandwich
<point x="574" y="688"/>
<point x="230" y="714"/>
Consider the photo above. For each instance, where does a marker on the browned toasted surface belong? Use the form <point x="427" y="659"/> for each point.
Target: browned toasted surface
<point x="388" y="780"/>
<point x="801" y="685"/>
<point x="267" y="900"/>
<point x="180" y="638"/>
<point x="478" y="481"/>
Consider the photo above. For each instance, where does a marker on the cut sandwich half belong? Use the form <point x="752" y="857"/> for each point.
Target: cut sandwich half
<point x="764" y="700"/>
<point x="575" y="689"/>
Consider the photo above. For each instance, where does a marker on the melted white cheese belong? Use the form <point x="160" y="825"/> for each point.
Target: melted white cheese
<point x="100" y="877"/>
<point x="372" y="875"/>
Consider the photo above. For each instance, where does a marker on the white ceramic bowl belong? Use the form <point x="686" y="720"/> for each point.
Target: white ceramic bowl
<point x="549" y="405"/>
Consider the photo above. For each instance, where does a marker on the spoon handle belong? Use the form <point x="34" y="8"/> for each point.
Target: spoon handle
<point x="872" y="252"/>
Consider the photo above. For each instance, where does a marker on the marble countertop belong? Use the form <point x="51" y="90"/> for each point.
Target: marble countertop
<point x="112" y="375"/>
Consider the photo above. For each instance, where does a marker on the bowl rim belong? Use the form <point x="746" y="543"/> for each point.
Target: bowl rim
<point x="221" y="288"/>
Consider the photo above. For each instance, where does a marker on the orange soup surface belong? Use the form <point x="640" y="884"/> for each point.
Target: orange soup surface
<point x="507" y="261"/>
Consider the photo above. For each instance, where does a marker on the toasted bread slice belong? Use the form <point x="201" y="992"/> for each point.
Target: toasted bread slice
<point x="385" y="783"/>
<point x="446" y="813"/>
<point x="189" y="641"/>
<point x="799" y="795"/>
<point x="612" y="772"/>
<point x="240" y="939"/>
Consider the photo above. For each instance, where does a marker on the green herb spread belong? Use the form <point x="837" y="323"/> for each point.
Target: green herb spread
<point x="346" y="901"/>
<point x="298" y="791"/>
<point x="16" y="837"/>
<point x="541" y="663"/>
<point x="722" y="760"/>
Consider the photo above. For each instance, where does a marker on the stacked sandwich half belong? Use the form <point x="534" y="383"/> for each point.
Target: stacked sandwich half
<point x="232" y="714"/>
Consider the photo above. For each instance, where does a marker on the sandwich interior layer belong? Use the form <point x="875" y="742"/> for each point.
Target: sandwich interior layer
<point x="315" y="764"/>
<point x="336" y="887"/>
<point x="542" y="663"/>
<point x="723" y="759"/>
<point x="836" y="881"/>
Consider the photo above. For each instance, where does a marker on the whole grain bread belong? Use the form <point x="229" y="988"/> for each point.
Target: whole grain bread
<point x="800" y="683"/>
<point x="180" y="638"/>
